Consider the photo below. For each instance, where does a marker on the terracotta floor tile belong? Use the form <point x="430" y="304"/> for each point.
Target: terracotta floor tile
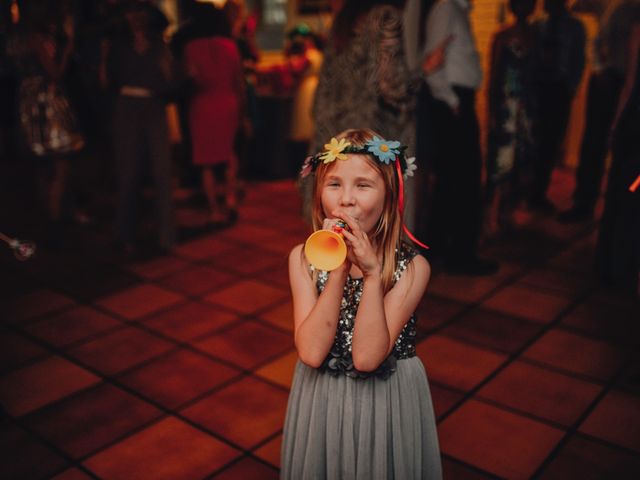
<point x="463" y="288"/>
<point x="283" y="246"/>
<point x="524" y="302"/>
<point x="139" y="301"/>
<point x="178" y="377"/>
<point x="245" y="412"/>
<point x="587" y="460"/>
<point x="616" y="419"/>
<point x="37" y="385"/>
<point x="252" y="212"/>
<point x="576" y="353"/>
<point x="72" y="325"/>
<point x="197" y="279"/>
<point x="280" y="316"/>
<point x="248" y="296"/>
<point x="493" y="330"/>
<point x="278" y="278"/>
<point x="120" y="350"/>
<point x="433" y="311"/>
<point x="246" y="344"/>
<point x="33" y="305"/>
<point x="72" y="474"/>
<point x="158" y="267"/>
<point x="190" y="320"/>
<point x="295" y="227"/>
<point x="527" y="245"/>
<point x="606" y="321"/>
<point x="572" y="260"/>
<point x="497" y="441"/>
<point x="281" y="370"/>
<point x="84" y="423"/>
<point x="202" y="248"/>
<point x="251" y="233"/>
<point x="16" y="350"/>
<point x="569" y="284"/>
<point x="25" y="458"/>
<point x="270" y="451"/>
<point x="455" y="363"/>
<point x="249" y="261"/>
<point x="443" y="398"/>
<point x="248" y="469"/>
<point x="188" y="218"/>
<point x="541" y="392"/>
<point x="167" y="450"/>
<point x="456" y="471"/>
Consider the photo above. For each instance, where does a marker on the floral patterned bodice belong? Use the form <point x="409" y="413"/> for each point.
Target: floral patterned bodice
<point x="339" y="360"/>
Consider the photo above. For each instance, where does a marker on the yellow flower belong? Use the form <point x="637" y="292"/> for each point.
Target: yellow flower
<point x="334" y="150"/>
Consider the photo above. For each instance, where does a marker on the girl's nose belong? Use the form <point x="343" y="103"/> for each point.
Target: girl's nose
<point x="347" y="197"/>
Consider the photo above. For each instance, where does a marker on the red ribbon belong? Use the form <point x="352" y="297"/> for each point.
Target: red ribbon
<point x="401" y="205"/>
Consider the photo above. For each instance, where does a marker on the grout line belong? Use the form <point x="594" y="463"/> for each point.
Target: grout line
<point x="471" y="467"/>
<point x="573" y="429"/>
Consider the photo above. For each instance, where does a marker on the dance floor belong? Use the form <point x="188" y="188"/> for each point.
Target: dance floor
<point x="178" y="366"/>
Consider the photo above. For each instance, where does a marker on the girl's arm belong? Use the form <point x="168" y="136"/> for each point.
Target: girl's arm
<point x="380" y="319"/>
<point x="315" y="316"/>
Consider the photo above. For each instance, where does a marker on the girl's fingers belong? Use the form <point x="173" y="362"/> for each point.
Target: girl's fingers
<point x="348" y="236"/>
<point x="327" y="224"/>
<point x="351" y="222"/>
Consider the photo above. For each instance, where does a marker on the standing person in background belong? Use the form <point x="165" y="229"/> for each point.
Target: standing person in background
<point x="610" y="50"/>
<point x="243" y="30"/>
<point x="618" y="248"/>
<point x="139" y="67"/>
<point x="48" y="124"/>
<point x="457" y="211"/>
<point x="558" y="63"/>
<point x="304" y="59"/>
<point x="364" y="80"/>
<point x="216" y="109"/>
<point x="510" y="101"/>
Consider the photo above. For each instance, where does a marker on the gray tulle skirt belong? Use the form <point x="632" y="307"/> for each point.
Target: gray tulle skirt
<point x="340" y="428"/>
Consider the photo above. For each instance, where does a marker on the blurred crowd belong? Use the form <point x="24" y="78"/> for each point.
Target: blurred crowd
<point x="104" y="80"/>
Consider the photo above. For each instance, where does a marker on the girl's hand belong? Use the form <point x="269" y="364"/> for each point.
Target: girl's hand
<point x="360" y="251"/>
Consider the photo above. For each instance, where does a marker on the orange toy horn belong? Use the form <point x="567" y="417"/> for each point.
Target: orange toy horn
<point x="325" y="249"/>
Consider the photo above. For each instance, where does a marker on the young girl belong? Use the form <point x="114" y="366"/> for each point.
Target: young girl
<point x="360" y="406"/>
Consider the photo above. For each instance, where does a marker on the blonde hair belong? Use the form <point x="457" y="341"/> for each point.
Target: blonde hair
<point x="388" y="232"/>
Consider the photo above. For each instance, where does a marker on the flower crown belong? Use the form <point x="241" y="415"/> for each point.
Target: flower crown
<point x="384" y="151"/>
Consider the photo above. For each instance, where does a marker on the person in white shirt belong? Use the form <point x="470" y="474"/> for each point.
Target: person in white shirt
<point x="454" y="226"/>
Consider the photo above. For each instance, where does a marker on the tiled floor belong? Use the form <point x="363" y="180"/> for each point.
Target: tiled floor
<point x="178" y="367"/>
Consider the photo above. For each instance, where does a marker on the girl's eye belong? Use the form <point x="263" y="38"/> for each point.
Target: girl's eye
<point x="363" y="185"/>
<point x="333" y="184"/>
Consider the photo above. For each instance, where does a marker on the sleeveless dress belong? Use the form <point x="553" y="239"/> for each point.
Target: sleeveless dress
<point x="342" y="424"/>
<point x="510" y="143"/>
<point x="214" y="111"/>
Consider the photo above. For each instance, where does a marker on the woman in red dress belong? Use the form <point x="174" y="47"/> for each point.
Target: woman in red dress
<point x="213" y="62"/>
